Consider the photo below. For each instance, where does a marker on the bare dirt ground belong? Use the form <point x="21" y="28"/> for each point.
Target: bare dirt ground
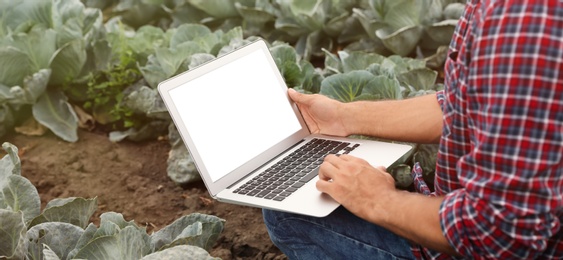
<point x="130" y="178"/>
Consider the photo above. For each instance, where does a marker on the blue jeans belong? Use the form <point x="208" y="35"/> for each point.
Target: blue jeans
<point x="340" y="235"/>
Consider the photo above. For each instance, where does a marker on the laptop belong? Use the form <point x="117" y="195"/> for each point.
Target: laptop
<point x="238" y="123"/>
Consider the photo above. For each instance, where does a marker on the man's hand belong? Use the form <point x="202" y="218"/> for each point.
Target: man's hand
<point x="369" y="193"/>
<point x="355" y="184"/>
<point x="387" y="119"/>
<point x="321" y="113"/>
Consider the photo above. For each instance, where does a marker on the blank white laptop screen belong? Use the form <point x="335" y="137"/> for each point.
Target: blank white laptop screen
<point x="250" y="119"/>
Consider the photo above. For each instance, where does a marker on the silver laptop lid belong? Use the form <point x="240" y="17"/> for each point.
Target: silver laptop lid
<point x="233" y="114"/>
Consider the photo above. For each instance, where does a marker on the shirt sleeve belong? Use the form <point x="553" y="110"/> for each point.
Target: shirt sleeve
<point x="511" y="202"/>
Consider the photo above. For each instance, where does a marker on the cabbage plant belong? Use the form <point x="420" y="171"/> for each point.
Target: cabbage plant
<point x="62" y="231"/>
<point x="189" y="46"/>
<point x="43" y="45"/>
<point x="403" y="25"/>
<point x="358" y="75"/>
<point x="316" y="24"/>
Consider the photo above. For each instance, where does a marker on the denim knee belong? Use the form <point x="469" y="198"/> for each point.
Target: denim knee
<point x="285" y="236"/>
<point x="272" y="219"/>
<point x="340" y="235"/>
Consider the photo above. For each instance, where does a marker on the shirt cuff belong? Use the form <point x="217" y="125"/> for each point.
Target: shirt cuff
<point x="476" y="229"/>
<point x="440" y="97"/>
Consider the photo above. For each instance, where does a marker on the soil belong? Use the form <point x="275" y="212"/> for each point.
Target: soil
<point x="130" y="178"/>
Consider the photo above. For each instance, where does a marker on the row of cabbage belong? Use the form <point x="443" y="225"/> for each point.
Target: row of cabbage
<point x="62" y="230"/>
<point x="386" y="27"/>
<point x="70" y="63"/>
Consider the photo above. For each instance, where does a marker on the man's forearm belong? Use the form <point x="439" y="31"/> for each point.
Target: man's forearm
<point x="412" y="120"/>
<point x="416" y="218"/>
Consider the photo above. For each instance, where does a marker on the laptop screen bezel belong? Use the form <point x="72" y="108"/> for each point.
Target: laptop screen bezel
<point x="166" y="86"/>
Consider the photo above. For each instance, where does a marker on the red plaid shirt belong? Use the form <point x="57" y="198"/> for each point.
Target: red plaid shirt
<point x="500" y="163"/>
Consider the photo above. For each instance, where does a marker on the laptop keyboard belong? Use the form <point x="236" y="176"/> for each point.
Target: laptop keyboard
<point x="286" y="176"/>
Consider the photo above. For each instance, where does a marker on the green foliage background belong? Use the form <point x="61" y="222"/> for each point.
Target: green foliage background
<point x="106" y="57"/>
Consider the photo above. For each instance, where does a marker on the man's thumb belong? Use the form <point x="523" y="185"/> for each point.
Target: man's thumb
<point x="294" y="95"/>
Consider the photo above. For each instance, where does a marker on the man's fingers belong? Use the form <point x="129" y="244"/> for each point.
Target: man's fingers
<point x="333" y="164"/>
<point x="327" y="171"/>
<point x="341" y="158"/>
<point x="324" y="186"/>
